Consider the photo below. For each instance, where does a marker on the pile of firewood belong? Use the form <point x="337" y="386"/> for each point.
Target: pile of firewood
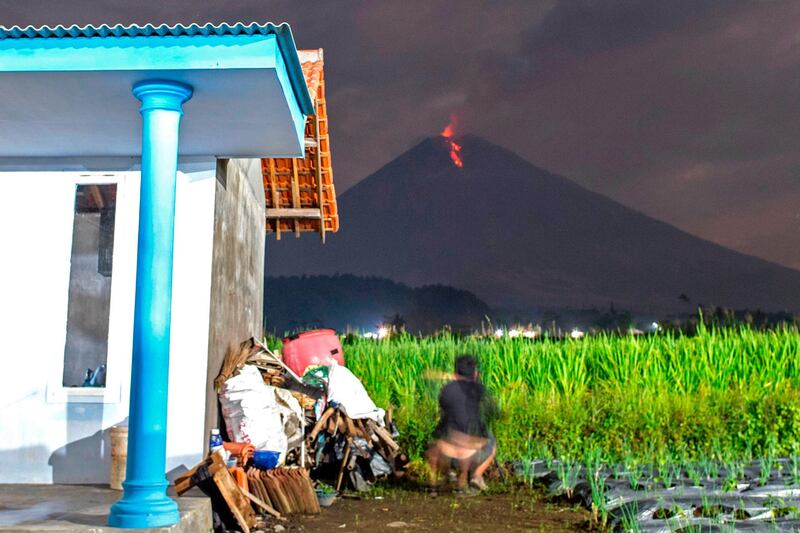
<point x="335" y="429"/>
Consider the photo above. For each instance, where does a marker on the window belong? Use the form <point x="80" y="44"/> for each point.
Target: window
<point x="91" y="265"/>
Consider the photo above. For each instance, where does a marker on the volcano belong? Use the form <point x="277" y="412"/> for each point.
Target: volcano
<point x="520" y="237"/>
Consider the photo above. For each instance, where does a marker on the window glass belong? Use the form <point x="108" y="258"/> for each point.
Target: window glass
<point x="91" y="263"/>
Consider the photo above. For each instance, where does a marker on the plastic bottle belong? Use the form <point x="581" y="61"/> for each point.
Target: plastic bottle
<point x="215" y="440"/>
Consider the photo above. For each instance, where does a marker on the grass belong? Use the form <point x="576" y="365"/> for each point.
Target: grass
<point x="721" y="395"/>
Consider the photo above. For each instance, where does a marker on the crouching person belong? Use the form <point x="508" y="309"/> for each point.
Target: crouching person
<point x="463" y="435"/>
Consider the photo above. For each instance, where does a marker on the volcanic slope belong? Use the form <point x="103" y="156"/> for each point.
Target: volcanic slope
<point x="520" y="237"/>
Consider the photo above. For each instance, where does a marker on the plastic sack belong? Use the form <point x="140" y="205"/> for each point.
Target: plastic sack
<point x="255" y="414"/>
<point x="346" y="390"/>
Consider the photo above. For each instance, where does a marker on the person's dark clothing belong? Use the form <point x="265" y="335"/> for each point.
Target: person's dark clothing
<point x="465" y="407"/>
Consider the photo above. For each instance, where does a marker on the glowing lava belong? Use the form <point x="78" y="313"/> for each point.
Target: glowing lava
<point x="455" y="148"/>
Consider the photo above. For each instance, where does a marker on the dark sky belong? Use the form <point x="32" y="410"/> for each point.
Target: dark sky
<point x="687" y="111"/>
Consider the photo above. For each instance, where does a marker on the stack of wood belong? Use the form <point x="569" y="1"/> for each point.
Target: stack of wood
<point x="239" y="496"/>
<point x="288" y="490"/>
<point x="335" y="425"/>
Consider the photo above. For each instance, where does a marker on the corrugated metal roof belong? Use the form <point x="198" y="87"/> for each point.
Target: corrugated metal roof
<point x="282" y="32"/>
<point x="135" y="30"/>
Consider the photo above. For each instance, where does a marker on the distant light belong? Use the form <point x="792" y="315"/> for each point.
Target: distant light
<point x="498" y="333"/>
<point x="383" y="332"/>
<point x="370" y="335"/>
<point x="655" y="326"/>
<point x="513" y="333"/>
<point x="576" y="334"/>
<point x="529" y="334"/>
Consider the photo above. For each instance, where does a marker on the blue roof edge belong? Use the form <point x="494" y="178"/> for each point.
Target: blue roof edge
<point x="282" y="32"/>
<point x="296" y="77"/>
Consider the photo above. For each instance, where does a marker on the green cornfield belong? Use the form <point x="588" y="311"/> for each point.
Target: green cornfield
<point x="721" y="393"/>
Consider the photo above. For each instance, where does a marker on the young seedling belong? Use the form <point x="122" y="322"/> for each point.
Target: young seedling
<point x="765" y="469"/>
<point x="795" y="466"/>
<point x="630" y="518"/>
<point x="597" y="485"/>
<point x="634" y="476"/>
<point x="693" y="473"/>
<point x="710" y="468"/>
<point x="666" y="470"/>
<point x="568" y="471"/>
<point x="735" y="470"/>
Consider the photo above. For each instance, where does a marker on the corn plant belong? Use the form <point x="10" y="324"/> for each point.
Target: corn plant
<point x="665" y="393"/>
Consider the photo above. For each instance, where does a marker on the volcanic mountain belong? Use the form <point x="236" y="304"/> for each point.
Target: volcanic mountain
<point x="520" y="237"/>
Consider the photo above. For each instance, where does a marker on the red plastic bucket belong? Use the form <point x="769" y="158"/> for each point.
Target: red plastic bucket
<point x="317" y="347"/>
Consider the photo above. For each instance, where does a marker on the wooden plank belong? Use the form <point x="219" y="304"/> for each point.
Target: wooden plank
<point x="348" y="445"/>
<point x="318" y="171"/>
<point x="319" y="425"/>
<point x="293" y="213"/>
<point x="383" y="435"/>
<point x="262" y="504"/>
<point x="237" y="503"/>
<point x="295" y="196"/>
<point x="276" y="199"/>
<point x="231" y="493"/>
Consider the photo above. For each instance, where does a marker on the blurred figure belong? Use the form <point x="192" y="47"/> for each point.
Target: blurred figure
<point x="462" y="434"/>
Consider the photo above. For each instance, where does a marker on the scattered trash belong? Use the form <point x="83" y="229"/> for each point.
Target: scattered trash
<point x="287" y="421"/>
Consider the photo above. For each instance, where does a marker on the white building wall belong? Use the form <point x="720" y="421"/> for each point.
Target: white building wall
<point x="56" y="434"/>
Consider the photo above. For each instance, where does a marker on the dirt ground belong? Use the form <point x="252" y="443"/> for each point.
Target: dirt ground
<point x="404" y="511"/>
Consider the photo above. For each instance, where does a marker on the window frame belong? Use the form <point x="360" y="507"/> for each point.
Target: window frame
<point x="123" y="280"/>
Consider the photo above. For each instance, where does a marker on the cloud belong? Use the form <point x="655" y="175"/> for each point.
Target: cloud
<point x="688" y="110"/>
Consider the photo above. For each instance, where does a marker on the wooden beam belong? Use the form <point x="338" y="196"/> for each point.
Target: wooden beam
<point x="275" y="196"/>
<point x="97" y="196"/>
<point x="295" y="195"/>
<point x="318" y="171"/>
<point x="306" y="212"/>
<point x="258" y="501"/>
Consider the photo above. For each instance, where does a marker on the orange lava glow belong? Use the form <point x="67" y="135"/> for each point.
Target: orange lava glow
<point x="455" y="148"/>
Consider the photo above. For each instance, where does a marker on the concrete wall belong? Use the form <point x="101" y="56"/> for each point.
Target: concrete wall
<point x="237" y="276"/>
<point x="52" y="433"/>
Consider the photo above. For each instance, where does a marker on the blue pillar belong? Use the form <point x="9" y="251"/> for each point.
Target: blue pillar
<point x="144" y="502"/>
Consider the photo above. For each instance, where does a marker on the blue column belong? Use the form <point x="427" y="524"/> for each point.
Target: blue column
<point x="144" y="502"/>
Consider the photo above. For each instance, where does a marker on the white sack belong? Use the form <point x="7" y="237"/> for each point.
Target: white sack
<point x="346" y="389"/>
<point x="252" y="413"/>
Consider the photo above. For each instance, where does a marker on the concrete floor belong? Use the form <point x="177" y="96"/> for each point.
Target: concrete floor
<point x="84" y="508"/>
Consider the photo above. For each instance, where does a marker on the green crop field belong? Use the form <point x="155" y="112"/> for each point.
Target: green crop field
<point x="724" y="394"/>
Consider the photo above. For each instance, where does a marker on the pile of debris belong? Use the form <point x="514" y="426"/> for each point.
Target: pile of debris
<point x="360" y="447"/>
<point x="295" y="424"/>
